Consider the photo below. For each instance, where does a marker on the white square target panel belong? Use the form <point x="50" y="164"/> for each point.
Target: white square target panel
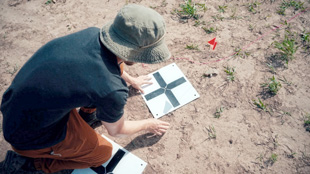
<point x="121" y="162"/>
<point x="169" y="91"/>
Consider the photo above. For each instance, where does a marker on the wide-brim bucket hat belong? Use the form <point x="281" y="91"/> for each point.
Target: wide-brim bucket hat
<point x="137" y="34"/>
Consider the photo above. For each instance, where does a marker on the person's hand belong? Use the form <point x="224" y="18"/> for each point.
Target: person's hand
<point x="139" y="81"/>
<point x="157" y="127"/>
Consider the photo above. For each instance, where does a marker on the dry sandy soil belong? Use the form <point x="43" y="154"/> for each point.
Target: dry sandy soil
<point x="245" y="138"/>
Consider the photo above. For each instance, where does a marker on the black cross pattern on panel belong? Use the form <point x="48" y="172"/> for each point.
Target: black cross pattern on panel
<point x="165" y="89"/>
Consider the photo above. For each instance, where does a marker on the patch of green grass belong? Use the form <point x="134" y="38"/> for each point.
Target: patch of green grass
<point x="211" y="132"/>
<point x="164" y="3"/>
<point x="240" y="53"/>
<point x="190" y="9"/>
<point x="253" y="6"/>
<point x="233" y="13"/>
<point x="202" y="7"/>
<point x="198" y="22"/>
<point x="271" y="67"/>
<point x="287" y="48"/>
<point x="222" y="9"/>
<point x="273" y="158"/>
<point x="307" y="119"/>
<point x="285" y="81"/>
<point x="281" y="11"/>
<point x="307" y="122"/>
<point x="287" y="25"/>
<point x="287" y="113"/>
<point x="217" y="17"/>
<point x="291" y="3"/>
<point x="48" y="2"/>
<point x="305" y="37"/>
<point x="251" y="27"/>
<point x="273" y="85"/>
<point x="230" y="73"/>
<point x="292" y="155"/>
<point x="218" y="112"/>
<point x="209" y="30"/>
<point x="260" y="105"/>
<point x="192" y="47"/>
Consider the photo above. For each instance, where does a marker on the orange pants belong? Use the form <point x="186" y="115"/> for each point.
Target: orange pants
<point x="82" y="148"/>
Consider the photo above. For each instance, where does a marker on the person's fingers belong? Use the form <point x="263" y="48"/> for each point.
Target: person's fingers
<point x="150" y="136"/>
<point x="165" y="123"/>
<point x="162" y="130"/>
<point x="141" y="90"/>
<point x="163" y="127"/>
<point x="157" y="132"/>
<point x="148" y="78"/>
<point x="146" y="82"/>
<point x="158" y="127"/>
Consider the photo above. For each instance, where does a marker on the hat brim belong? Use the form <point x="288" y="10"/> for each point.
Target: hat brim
<point x="127" y="51"/>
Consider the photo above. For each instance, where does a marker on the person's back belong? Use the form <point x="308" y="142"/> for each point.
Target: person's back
<point x="66" y="73"/>
<point x="40" y="117"/>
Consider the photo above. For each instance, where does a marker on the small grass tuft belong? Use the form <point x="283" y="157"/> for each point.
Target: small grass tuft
<point x="271" y="67"/>
<point x="217" y="17"/>
<point x="251" y="27"/>
<point x="209" y="30"/>
<point x="198" y="22"/>
<point x="230" y="73"/>
<point x="218" y="112"/>
<point x="307" y="122"/>
<point x="211" y="132"/>
<point x="222" y="9"/>
<point x="285" y="81"/>
<point x="291" y="3"/>
<point x="260" y="105"/>
<point x="273" y="158"/>
<point x="240" y="53"/>
<point x="287" y="48"/>
<point x="305" y="37"/>
<point x="292" y="155"/>
<point x="190" y="9"/>
<point x="252" y="7"/>
<point x="192" y="47"/>
<point x="48" y="2"/>
<point x="273" y="85"/>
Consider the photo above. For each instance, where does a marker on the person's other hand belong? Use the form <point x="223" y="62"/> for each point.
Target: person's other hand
<point x="157" y="127"/>
<point x="139" y="81"/>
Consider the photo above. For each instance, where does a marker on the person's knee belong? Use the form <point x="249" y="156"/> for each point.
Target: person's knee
<point x="104" y="153"/>
<point x="108" y="150"/>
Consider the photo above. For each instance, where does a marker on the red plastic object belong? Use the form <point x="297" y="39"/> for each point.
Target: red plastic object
<point x="214" y="45"/>
<point x="212" y="41"/>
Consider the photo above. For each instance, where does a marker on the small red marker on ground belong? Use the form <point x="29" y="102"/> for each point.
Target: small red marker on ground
<point x="213" y="43"/>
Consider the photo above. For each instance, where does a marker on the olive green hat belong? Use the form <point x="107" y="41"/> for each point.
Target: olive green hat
<point x="136" y="35"/>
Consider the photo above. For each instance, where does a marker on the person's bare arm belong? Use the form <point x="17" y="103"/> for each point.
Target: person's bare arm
<point x="136" y="82"/>
<point x="123" y="128"/>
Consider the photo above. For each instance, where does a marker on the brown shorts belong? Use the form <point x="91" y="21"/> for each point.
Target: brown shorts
<point x="82" y="148"/>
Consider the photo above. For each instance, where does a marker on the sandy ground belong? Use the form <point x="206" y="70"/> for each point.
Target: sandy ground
<point x="244" y="139"/>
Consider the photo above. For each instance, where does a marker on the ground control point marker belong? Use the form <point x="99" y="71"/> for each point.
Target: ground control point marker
<point x="212" y="43"/>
